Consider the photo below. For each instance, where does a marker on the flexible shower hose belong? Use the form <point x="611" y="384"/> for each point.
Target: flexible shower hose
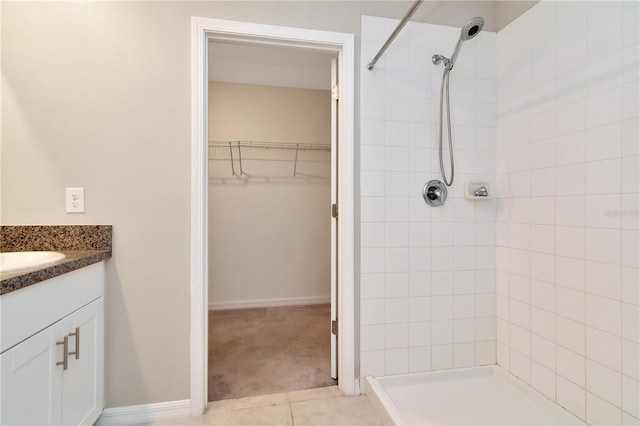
<point x="445" y="81"/>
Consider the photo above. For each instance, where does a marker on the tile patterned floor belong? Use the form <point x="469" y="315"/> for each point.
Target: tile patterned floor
<point x="321" y="406"/>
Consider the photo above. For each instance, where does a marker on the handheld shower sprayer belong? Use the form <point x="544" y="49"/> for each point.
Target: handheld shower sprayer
<point x="471" y="29"/>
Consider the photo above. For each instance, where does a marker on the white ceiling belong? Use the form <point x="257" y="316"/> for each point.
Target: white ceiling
<point x="269" y="66"/>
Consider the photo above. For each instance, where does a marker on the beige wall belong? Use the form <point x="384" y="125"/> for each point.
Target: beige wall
<point x="269" y="232"/>
<point x="97" y="95"/>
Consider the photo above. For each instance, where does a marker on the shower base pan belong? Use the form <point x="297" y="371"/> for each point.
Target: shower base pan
<point x="470" y="396"/>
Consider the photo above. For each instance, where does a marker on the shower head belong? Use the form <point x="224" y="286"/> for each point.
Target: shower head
<point x="471" y="29"/>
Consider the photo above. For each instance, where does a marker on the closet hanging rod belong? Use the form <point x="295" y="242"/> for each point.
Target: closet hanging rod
<point x="395" y="33"/>
<point x="271" y="145"/>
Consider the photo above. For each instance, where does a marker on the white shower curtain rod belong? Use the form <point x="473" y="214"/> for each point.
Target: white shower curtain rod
<point x="395" y="33"/>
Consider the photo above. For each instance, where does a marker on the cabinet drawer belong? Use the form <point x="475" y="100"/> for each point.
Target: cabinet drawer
<point x="25" y="312"/>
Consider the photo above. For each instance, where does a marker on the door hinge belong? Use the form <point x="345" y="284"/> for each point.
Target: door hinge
<point x="334" y="211"/>
<point x="334" y="93"/>
<point x="334" y="327"/>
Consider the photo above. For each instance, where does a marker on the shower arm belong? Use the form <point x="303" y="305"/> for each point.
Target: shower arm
<point x="395" y="33"/>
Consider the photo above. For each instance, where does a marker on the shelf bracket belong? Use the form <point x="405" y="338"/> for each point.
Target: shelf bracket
<point x="233" y="171"/>
<point x="295" y="164"/>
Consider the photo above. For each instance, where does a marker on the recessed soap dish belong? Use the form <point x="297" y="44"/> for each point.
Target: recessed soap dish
<point x="477" y="191"/>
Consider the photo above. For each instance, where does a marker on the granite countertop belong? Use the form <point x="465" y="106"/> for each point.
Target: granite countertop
<point x="82" y="245"/>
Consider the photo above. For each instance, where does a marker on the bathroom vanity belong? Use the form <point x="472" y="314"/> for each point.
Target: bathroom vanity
<point x="52" y="341"/>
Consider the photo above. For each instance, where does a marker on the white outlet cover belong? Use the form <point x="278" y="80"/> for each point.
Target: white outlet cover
<point x="75" y="200"/>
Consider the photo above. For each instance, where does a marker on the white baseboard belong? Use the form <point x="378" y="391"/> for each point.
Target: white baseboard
<point x="134" y="414"/>
<point x="269" y="303"/>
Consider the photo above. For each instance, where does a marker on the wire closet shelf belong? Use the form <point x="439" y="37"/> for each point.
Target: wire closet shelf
<point x="237" y="152"/>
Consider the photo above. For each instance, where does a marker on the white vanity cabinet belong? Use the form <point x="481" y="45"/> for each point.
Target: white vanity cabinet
<point x="35" y="386"/>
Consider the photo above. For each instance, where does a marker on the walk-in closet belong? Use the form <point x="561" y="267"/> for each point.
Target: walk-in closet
<point x="269" y="220"/>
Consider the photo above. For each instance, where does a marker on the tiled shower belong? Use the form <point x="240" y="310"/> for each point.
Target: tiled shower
<point x="542" y="278"/>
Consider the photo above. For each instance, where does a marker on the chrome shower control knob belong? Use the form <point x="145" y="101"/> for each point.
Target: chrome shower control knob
<point x="434" y="193"/>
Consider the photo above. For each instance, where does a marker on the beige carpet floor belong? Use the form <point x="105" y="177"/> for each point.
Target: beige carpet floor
<point x="268" y="350"/>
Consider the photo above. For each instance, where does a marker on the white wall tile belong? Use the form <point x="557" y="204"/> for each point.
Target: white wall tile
<point x="570" y="272"/>
<point x="543" y="351"/>
<point x="464" y="355"/>
<point x="571" y="396"/>
<point x="630" y="176"/>
<point x="419" y="309"/>
<point x="571" y="334"/>
<point x="463" y="330"/>
<point x="570" y="117"/>
<point x="396" y="361"/>
<point x="570" y="180"/>
<point x="604" y="348"/>
<point x="630" y="277"/>
<point x="603" y="39"/>
<point x="372" y="235"/>
<point x="604" y="314"/>
<point x="419" y="259"/>
<point x="543" y="295"/>
<point x="601" y="412"/>
<point x="603" y="245"/>
<point x="631" y="396"/>
<point x="543" y="379"/>
<point x="395" y="209"/>
<point x="630" y="359"/>
<point x="371" y="209"/>
<point x="604" y="382"/>
<point x="485" y="329"/>
<point x="604" y="107"/>
<point x="486" y="353"/>
<point x="396" y="336"/>
<point x="570" y="241"/>
<point x="396" y="234"/>
<point x="631" y="322"/>
<point x="419" y="334"/>
<point x="396" y="310"/>
<point x="604" y="73"/>
<point x="419" y="359"/>
<point x="372" y="363"/>
<point x="543" y="323"/>
<point x="396" y="260"/>
<point x="570" y="149"/>
<point x="396" y="284"/>
<point x="520" y="366"/>
<point x="602" y="211"/>
<point x="372" y="286"/>
<point x="371" y="260"/>
<point x="603" y="177"/>
<point x="372" y="311"/>
<point x="603" y="279"/>
<point x="570" y="303"/>
<point x="604" y="142"/>
<point x="571" y="365"/>
<point x="441" y="357"/>
<point x="441" y="332"/>
<point x="372" y="337"/>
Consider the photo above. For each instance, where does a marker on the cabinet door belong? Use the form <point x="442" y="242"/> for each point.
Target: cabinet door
<point x="31" y="380"/>
<point x="82" y="383"/>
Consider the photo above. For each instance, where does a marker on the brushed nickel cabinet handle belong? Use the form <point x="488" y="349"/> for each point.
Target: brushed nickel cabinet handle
<point x="65" y="351"/>
<point x="77" y="335"/>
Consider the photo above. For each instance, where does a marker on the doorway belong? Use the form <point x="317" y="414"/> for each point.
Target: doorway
<point x="342" y="44"/>
<point x="270" y="230"/>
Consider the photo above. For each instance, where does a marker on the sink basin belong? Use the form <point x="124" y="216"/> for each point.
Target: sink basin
<point x="16" y="260"/>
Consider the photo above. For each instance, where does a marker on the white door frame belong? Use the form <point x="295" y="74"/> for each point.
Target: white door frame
<point x="202" y="30"/>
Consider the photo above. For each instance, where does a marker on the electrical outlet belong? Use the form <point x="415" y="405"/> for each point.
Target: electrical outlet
<point x="75" y="200"/>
